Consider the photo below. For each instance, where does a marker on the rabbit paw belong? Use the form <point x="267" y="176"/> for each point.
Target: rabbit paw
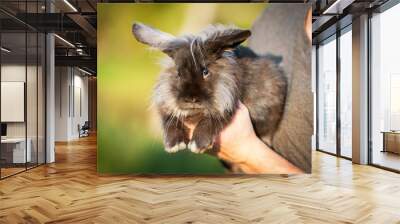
<point x="200" y="145"/>
<point x="174" y="144"/>
<point x="175" y="148"/>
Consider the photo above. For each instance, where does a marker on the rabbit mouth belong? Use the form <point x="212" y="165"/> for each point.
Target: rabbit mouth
<point x="191" y="110"/>
<point x="190" y="106"/>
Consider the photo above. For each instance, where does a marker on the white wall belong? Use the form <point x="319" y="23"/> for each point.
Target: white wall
<point x="62" y="82"/>
<point x="16" y="73"/>
<point x="71" y="93"/>
<point x="13" y="101"/>
<point x="80" y="88"/>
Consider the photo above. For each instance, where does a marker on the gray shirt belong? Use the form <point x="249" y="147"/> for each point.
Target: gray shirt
<point x="280" y="31"/>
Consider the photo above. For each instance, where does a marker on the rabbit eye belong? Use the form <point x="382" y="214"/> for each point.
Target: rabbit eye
<point x="205" y="73"/>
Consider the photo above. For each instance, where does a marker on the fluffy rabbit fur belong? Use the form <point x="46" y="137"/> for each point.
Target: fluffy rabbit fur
<point x="210" y="73"/>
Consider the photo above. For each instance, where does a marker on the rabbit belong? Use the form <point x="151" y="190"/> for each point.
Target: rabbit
<point x="208" y="75"/>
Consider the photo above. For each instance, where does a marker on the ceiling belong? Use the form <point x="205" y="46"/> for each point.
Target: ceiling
<point x="74" y="22"/>
<point x="332" y="15"/>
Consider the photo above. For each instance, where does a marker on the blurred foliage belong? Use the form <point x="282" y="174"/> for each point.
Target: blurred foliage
<point x="127" y="71"/>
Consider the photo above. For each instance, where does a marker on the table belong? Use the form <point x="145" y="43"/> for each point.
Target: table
<point x="391" y="141"/>
<point x="17" y="150"/>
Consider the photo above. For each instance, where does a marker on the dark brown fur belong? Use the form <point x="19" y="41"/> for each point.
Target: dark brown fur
<point x="208" y="77"/>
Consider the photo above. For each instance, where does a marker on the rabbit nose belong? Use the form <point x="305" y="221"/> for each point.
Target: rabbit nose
<point x="191" y="100"/>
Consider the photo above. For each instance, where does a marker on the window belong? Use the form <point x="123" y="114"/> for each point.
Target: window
<point x="328" y="110"/>
<point x="346" y="75"/>
<point x="385" y="89"/>
<point x="327" y="96"/>
<point x="22" y="78"/>
<point x="394" y="102"/>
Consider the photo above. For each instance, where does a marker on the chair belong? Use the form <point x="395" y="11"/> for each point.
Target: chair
<point x="84" y="130"/>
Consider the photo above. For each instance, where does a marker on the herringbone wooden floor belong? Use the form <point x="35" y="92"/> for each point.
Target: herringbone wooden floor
<point x="70" y="191"/>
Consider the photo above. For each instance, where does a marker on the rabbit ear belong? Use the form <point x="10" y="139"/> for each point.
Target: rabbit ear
<point x="226" y="39"/>
<point x="154" y="38"/>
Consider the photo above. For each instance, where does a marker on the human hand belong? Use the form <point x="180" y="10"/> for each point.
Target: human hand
<point x="238" y="144"/>
<point x="308" y="24"/>
<point x="237" y="133"/>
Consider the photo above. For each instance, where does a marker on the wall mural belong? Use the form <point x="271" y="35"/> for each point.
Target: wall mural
<point x="204" y="88"/>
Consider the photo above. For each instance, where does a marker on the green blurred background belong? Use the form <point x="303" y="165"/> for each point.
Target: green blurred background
<point x="129" y="133"/>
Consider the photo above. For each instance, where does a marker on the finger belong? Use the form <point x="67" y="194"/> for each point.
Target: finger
<point x="242" y="108"/>
<point x="241" y="105"/>
<point x="214" y="151"/>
